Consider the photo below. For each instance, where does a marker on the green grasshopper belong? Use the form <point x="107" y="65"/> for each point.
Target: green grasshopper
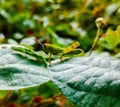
<point x="69" y="51"/>
<point x="50" y="49"/>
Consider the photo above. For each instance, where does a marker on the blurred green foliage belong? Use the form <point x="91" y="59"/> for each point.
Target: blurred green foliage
<point x="73" y="20"/>
<point x="59" y="22"/>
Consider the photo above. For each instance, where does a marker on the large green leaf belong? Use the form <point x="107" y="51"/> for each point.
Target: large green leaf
<point x="89" y="81"/>
<point x="20" y="71"/>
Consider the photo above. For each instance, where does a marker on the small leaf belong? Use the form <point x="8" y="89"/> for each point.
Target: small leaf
<point x="111" y="9"/>
<point x="28" y="24"/>
<point x="2" y="37"/>
<point x="58" y="40"/>
<point x="118" y="31"/>
<point x="6" y="15"/>
<point x="28" y="41"/>
<point x="18" y="36"/>
<point x="89" y="81"/>
<point x="12" y="42"/>
<point x="112" y="38"/>
<point x="20" y="71"/>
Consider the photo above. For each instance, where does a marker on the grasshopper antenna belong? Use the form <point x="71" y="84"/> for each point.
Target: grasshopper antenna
<point x="39" y="43"/>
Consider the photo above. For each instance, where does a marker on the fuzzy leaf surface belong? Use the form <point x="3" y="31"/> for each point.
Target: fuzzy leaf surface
<point x="89" y="81"/>
<point x="19" y="70"/>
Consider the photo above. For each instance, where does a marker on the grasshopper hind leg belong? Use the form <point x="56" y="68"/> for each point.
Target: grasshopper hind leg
<point x="61" y="57"/>
<point x="49" y="59"/>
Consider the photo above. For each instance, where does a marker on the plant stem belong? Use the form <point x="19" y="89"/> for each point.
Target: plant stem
<point x="45" y="102"/>
<point x="7" y="96"/>
<point x="95" y="40"/>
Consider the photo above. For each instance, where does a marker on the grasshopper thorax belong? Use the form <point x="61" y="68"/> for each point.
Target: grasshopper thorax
<point x="53" y="49"/>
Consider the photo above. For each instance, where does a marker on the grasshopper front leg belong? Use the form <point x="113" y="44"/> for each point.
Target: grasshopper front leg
<point x="69" y="49"/>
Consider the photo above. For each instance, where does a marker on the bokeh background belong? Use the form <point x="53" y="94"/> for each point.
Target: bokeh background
<point x="58" y="22"/>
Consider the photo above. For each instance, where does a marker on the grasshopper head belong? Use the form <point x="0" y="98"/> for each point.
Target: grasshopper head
<point x="45" y="48"/>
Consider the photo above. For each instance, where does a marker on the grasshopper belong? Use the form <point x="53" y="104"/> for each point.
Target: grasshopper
<point x="51" y="49"/>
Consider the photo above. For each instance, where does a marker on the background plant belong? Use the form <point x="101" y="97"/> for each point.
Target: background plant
<point x="58" y="22"/>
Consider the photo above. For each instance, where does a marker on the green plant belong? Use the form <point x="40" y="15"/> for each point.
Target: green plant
<point x="83" y="80"/>
<point x="27" y="80"/>
<point x="87" y="81"/>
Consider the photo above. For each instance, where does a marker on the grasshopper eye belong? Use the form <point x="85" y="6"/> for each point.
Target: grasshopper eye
<point x="45" y="46"/>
